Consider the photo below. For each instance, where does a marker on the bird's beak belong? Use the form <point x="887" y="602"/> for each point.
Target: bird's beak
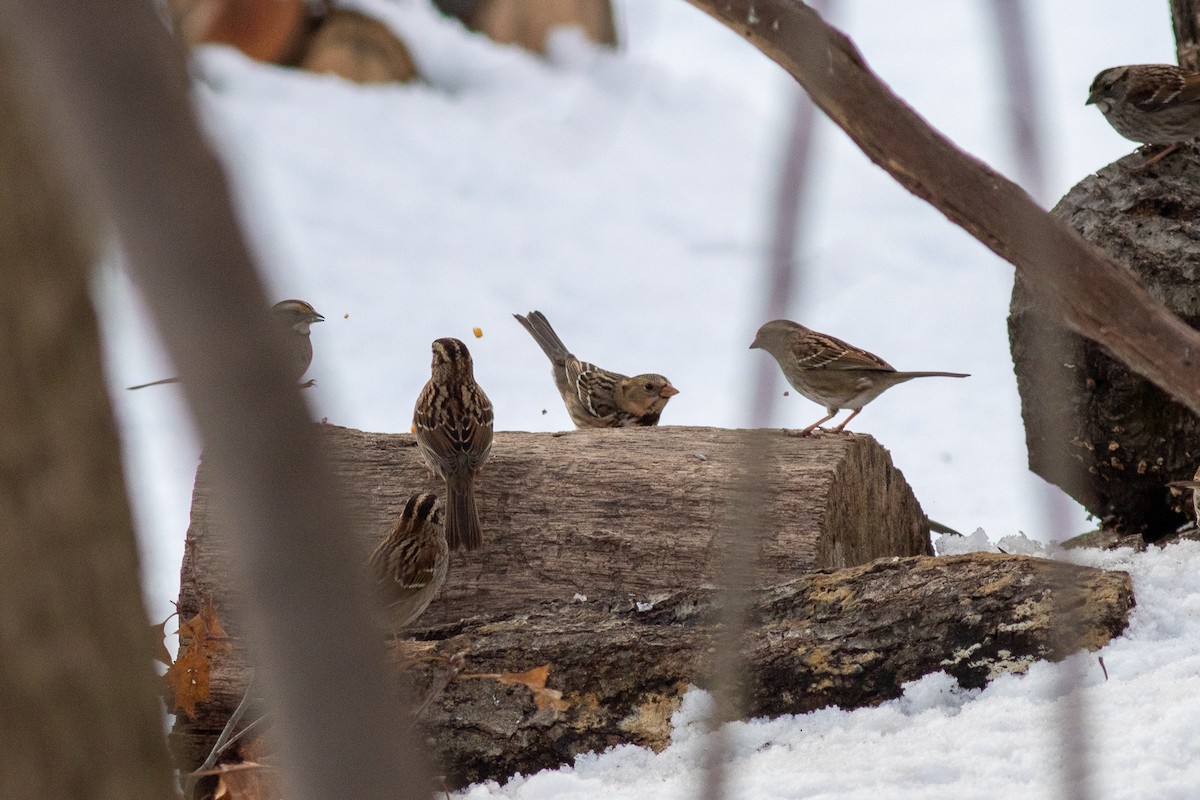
<point x="1092" y="98"/>
<point x="755" y="345"/>
<point x="668" y="391"/>
<point x="315" y="317"/>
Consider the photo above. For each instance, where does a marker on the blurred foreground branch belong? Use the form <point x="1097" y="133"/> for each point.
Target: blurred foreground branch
<point x="108" y="94"/>
<point x="1096" y="296"/>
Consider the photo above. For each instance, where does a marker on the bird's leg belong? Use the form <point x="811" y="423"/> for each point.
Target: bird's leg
<point x="1154" y="159"/>
<point x="846" y="421"/>
<point x="808" y="431"/>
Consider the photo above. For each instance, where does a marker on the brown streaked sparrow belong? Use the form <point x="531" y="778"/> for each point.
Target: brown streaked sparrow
<point x="829" y="371"/>
<point x="453" y="426"/>
<point x="409" y="565"/>
<point x="595" y="397"/>
<point x="295" y="317"/>
<point x="1154" y="104"/>
<point x="1194" y="485"/>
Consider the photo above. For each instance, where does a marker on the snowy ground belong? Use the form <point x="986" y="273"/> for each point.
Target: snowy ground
<point x="626" y="196"/>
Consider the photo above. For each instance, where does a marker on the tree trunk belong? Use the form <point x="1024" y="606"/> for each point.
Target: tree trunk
<point x="79" y="712"/>
<point x="617" y="670"/>
<point x="1105" y="435"/>
<point x="629" y="512"/>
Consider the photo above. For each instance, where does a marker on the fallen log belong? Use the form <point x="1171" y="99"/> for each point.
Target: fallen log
<point x="627" y="513"/>
<point x="1094" y="427"/>
<point x="617" y="670"/>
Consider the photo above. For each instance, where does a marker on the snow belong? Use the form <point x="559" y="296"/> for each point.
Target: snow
<point x="627" y="196"/>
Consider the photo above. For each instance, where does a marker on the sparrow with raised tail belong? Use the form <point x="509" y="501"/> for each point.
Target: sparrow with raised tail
<point x="409" y="565"/>
<point x="595" y="397"/>
<point x="453" y="426"/>
<point x="829" y="371"/>
<point x="1154" y="104"/>
<point x="295" y="317"/>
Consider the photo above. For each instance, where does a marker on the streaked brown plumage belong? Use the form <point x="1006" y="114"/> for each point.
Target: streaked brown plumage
<point x="296" y="318"/>
<point x="1155" y="104"/>
<point x="409" y="565"/>
<point x="1194" y="485"/>
<point x="595" y="397"/>
<point x="829" y="371"/>
<point x="453" y="425"/>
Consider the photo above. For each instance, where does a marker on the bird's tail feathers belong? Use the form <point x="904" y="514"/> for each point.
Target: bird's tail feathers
<point x="539" y="328"/>
<point x="904" y="376"/>
<point x="462" y="519"/>
<point x="152" y="383"/>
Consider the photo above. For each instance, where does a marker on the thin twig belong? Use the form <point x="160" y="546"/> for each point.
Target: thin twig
<point x="219" y="745"/>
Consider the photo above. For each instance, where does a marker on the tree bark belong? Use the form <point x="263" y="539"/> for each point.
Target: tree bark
<point x="849" y="637"/>
<point x="1093" y="294"/>
<point x="1185" y="18"/>
<point x="631" y="512"/>
<point x="79" y="708"/>
<point x="1109" y="438"/>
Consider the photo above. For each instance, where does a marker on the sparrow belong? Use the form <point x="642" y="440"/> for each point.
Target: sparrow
<point x="1194" y="485"/>
<point x="595" y="397"/>
<point x="829" y="371"/>
<point x="453" y="426"/>
<point x="1154" y="104"/>
<point x="409" y="564"/>
<point x="295" y="318"/>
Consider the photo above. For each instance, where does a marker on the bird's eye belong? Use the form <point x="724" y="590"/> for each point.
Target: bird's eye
<point x="649" y="387"/>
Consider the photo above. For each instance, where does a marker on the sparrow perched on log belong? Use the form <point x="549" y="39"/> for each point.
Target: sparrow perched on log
<point x="409" y="565"/>
<point x="595" y="397"/>
<point x="1154" y="104"/>
<point x="829" y="371"/>
<point x="453" y="425"/>
<point x="295" y="317"/>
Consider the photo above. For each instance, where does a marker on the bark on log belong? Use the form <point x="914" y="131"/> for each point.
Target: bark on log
<point x="1093" y="295"/>
<point x="1104" y="434"/>
<point x="849" y="637"/>
<point x="619" y="512"/>
<point x="1185" y="19"/>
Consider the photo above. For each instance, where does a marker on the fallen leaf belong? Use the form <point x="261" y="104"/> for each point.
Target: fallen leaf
<point x="535" y="680"/>
<point x="187" y="681"/>
<point x="159" y="632"/>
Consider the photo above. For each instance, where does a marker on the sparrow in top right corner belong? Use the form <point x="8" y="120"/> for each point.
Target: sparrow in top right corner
<point x="1153" y="104"/>
<point x="829" y="371"/>
<point x="595" y="397"/>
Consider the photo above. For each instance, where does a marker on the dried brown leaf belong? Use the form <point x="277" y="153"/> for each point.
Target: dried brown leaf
<point x="186" y="681"/>
<point x="535" y="680"/>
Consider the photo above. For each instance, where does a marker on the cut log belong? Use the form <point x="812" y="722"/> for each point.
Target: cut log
<point x="1102" y="433"/>
<point x="629" y="512"/>
<point x="267" y="30"/>
<point x="359" y="48"/>
<point x="528" y="24"/>
<point x="849" y="638"/>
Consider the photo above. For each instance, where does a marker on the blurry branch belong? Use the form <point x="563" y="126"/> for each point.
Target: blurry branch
<point x="109" y="96"/>
<point x="1185" y="17"/>
<point x="1096" y="296"/>
<point x="1012" y="40"/>
<point x="1021" y="93"/>
<point x="78" y="701"/>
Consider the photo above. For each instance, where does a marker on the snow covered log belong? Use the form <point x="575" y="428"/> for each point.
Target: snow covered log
<point x="628" y="513"/>
<point x="1104" y="434"/>
<point x="617" y="671"/>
